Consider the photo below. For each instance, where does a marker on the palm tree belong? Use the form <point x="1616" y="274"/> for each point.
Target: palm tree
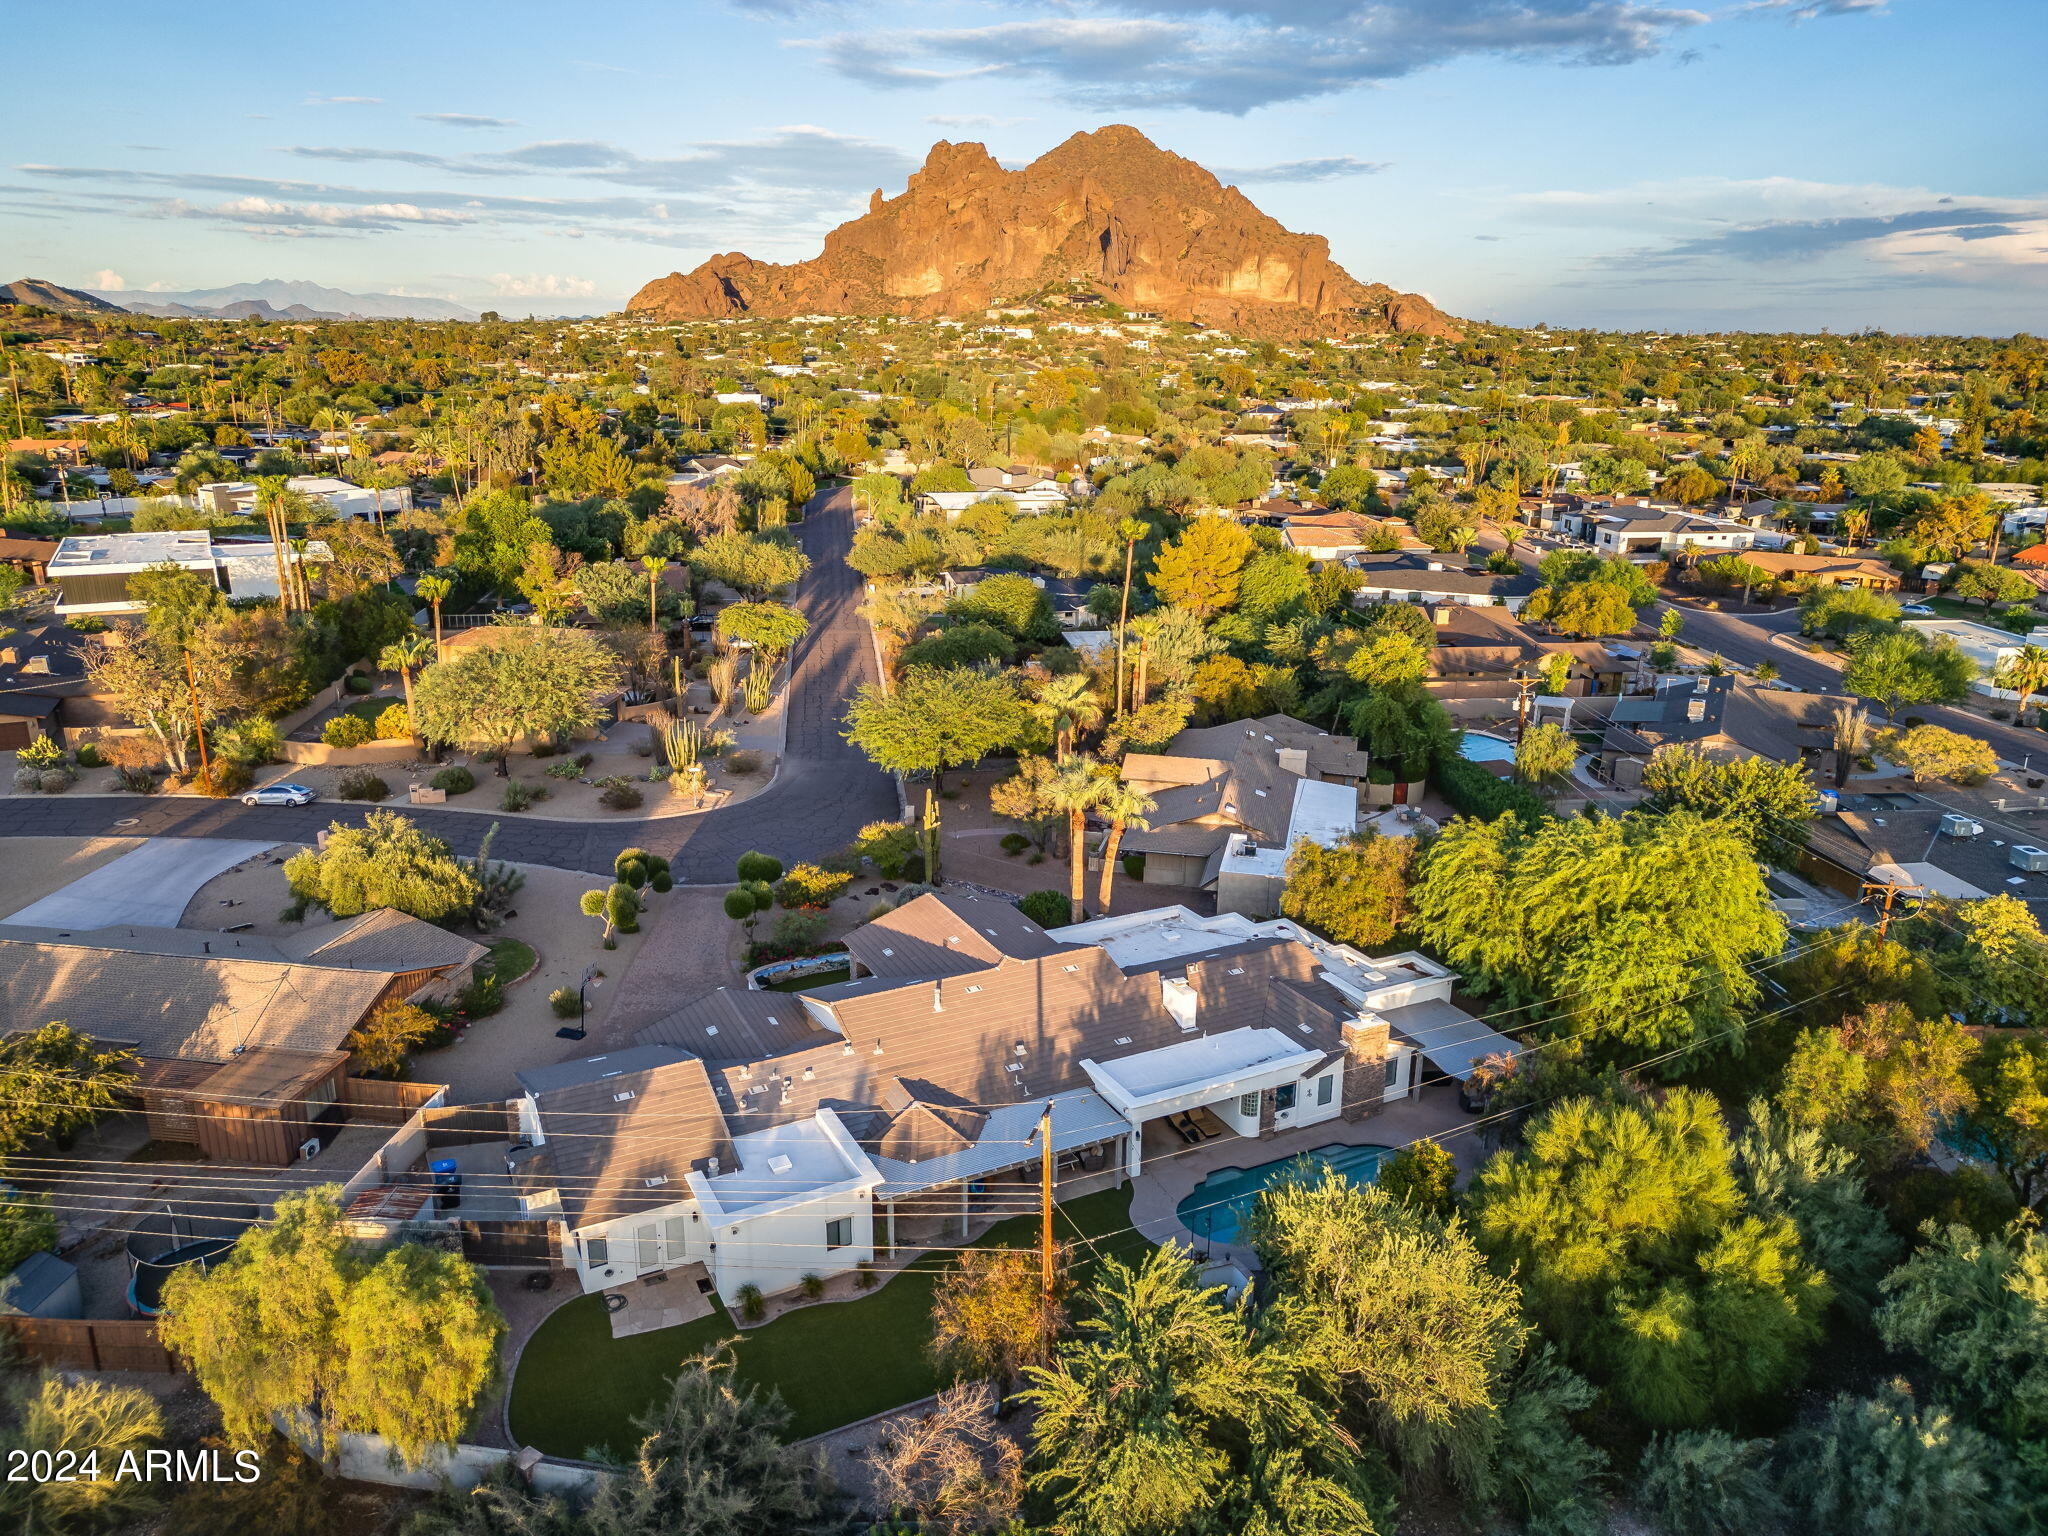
<point x="652" y="565"/>
<point x="1854" y="523"/>
<point x="1065" y="705"/>
<point x="1850" y="734"/>
<point x="1512" y="531"/>
<point x="2026" y="673"/>
<point x="434" y="590"/>
<point x="404" y="657"/>
<point x="1130" y="530"/>
<point x="1076" y="789"/>
<point x="1125" y="805"/>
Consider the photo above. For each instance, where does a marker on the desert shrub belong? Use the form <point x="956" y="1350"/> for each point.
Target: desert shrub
<point x="28" y="780"/>
<point x="621" y="796"/>
<point x="585" y="759"/>
<point x="362" y="784"/>
<point x="1048" y="909"/>
<point x="251" y="743"/>
<point x="358" y="682"/>
<point x="545" y="746"/>
<point x="346" y="731"/>
<point x="43" y="752"/>
<point x="454" y="781"/>
<point x="795" y="932"/>
<point x="740" y="764"/>
<point x="54" y="781"/>
<point x="566" y="770"/>
<point x="810" y="888"/>
<point x="864" y="1275"/>
<point x="565" y="1002"/>
<point x="90" y="756"/>
<point x="1014" y="843"/>
<point x="484" y="996"/>
<point x="813" y="1285"/>
<point x="519" y="796"/>
<point x="221" y="779"/>
<point x="759" y="866"/>
<point x="752" y="1307"/>
<point x="394" y="724"/>
<point x="85" y="623"/>
<point x="1134" y="866"/>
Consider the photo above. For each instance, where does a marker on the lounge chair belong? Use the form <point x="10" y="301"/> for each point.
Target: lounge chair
<point x="1206" y="1123"/>
<point x="1183" y="1129"/>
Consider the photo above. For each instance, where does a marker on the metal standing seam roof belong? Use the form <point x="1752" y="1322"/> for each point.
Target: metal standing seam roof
<point x="1448" y="1036"/>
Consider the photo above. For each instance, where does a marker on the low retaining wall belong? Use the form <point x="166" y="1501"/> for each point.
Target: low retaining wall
<point x="317" y="754"/>
<point x="369" y="1459"/>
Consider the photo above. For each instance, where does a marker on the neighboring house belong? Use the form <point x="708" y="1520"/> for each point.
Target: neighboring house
<point x="31" y="557"/>
<point x="768" y="1136"/>
<point x="1246" y="793"/>
<point x="91" y="572"/>
<point x="1683" y="709"/>
<point x="1480" y="652"/>
<point x="58" y="450"/>
<point x="1046" y="497"/>
<point x="1631" y="532"/>
<point x="1835" y="570"/>
<point x="1406" y="576"/>
<point x="1068" y="595"/>
<point x="1016" y="478"/>
<point x="239" y="1040"/>
<point x="237" y="498"/>
<point x="1327" y="535"/>
<point x="43" y="686"/>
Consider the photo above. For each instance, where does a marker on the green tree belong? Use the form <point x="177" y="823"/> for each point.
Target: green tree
<point x="1586" y="608"/>
<point x="991" y="1316"/>
<point x="1768" y="802"/>
<point x="1634" y="933"/>
<point x="108" y="1421"/>
<point x="1404" y="729"/>
<point x="1705" y="1482"/>
<point x="1977" y="1311"/>
<point x="1931" y="752"/>
<point x="772" y="628"/>
<point x="751" y="566"/>
<point x="1012" y="603"/>
<point x="1356" y="892"/>
<point x="1790" y="1169"/>
<point x="1395" y="1308"/>
<point x="1544" y="756"/>
<point x="1988" y="954"/>
<point x="54" y="1082"/>
<point x="384" y="1041"/>
<point x="527" y="684"/>
<point x="936" y="719"/>
<point x="1879" y="1466"/>
<point x="1993" y="583"/>
<point x="1200" y="571"/>
<point x="2010" y="1121"/>
<point x="2024" y="672"/>
<point x="1731" y="571"/>
<point x="1625" y="1225"/>
<point x="1075" y="788"/>
<point x="27" y="1225"/>
<point x="1165" y="1415"/>
<point x="301" y="1319"/>
<point x="1840" y="613"/>
<point x="386" y="862"/>
<point x="1883" y="1084"/>
<point x="1899" y="670"/>
<point x="1422" y="1174"/>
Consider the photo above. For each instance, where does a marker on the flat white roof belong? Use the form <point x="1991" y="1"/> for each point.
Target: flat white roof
<point x="131" y="551"/>
<point x="1452" y="1040"/>
<point x="781" y="1164"/>
<point x="1930" y="879"/>
<point x="1982" y="643"/>
<point x="1167" y="933"/>
<point x="1201" y="1062"/>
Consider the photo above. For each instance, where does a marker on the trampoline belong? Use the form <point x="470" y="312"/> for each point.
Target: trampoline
<point x="174" y="1238"/>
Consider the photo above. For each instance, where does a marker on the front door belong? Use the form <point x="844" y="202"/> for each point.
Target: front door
<point x="646" y="1255"/>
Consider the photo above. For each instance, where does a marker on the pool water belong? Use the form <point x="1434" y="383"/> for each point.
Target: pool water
<point x="1218" y="1206"/>
<point x="1479" y="747"/>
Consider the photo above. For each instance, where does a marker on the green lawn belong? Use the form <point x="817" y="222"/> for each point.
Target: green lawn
<point x="511" y="959"/>
<point x="1955" y="608"/>
<point x="808" y="983"/>
<point x="577" y="1387"/>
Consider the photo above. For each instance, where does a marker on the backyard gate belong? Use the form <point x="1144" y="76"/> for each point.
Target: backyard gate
<point x="514" y="1244"/>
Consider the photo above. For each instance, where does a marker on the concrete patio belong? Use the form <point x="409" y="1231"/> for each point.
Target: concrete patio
<point x="667" y="1299"/>
<point x="1170" y="1175"/>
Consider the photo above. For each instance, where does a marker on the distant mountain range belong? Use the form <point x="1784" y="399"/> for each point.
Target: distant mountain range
<point x="277" y="299"/>
<point x="49" y="295"/>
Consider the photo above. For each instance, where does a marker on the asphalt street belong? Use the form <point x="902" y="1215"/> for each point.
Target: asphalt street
<point x="826" y="791"/>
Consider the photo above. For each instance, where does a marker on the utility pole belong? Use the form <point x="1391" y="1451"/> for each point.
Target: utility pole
<point x="1524" y="686"/>
<point x="198" y="727"/>
<point x="1045" y="1204"/>
<point x="1884" y="920"/>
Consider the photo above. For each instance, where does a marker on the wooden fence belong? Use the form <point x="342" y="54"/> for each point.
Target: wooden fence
<point x="91" y="1344"/>
<point x="373" y="1101"/>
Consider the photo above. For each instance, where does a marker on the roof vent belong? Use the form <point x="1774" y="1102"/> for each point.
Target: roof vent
<point x="888" y="951"/>
<point x="710" y="1029"/>
<point x="620" y="1098"/>
<point x="974" y="989"/>
<point x="779" y="1164"/>
<point x="1019" y="1047"/>
<point x="1123" y="1039"/>
<point x="655" y="1180"/>
<point x="746" y="1070"/>
<point x="1011" y="1066"/>
<point x="846" y="1049"/>
<point x="1070" y="968"/>
<point x="1237" y="970"/>
<point x="773" y="1020"/>
<point x="809" y="1073"/>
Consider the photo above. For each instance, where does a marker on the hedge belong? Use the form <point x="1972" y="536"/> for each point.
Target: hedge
<point x="1472" y="791"/>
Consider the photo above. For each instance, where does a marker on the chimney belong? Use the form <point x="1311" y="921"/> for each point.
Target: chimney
<point x="1293" y="760"/>
<point x="1179" y="999"/>
<point x="1440" y="616"/>
<point x="938" y="999"/>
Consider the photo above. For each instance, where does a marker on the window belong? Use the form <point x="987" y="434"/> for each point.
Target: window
<point x="839" y="1232"/>
<point x="1326" y="1087"/>
<point x="1248" y="1105"/>
<point x="1283" y="1098"/>
<point x="675" y="1238"/>
<point x="597" y="1252"/>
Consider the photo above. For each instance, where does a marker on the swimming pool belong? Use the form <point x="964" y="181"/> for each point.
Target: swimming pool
<point x="1217" y="1207"/>
<point x="1480" y="747"/>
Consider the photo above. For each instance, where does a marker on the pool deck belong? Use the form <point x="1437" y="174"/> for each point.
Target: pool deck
<point x="1169" y="1178"/>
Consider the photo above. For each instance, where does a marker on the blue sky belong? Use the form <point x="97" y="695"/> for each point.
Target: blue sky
<point x="1774" y="164"/>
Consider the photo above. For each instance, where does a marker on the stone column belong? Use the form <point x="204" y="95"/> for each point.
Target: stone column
<point x="1365" y="1067"/>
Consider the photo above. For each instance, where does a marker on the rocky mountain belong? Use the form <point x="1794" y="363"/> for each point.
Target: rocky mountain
<point x="37" y="290"/>
<point x="1109" y="210"/>
<point x="279" y="299"/>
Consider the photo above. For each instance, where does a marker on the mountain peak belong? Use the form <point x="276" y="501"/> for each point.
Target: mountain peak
<point x="1106" y="208"/>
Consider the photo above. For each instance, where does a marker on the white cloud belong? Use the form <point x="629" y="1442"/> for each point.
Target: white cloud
<point x="107" y="280"/>
<point x="466" y="120"/>
<point x="540" y="285"/>
<point x="975" y="120"/>
<point x="317" y="100"/>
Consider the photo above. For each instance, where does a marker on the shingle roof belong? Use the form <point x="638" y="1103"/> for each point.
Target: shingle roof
<point x="736" y="1024"/>
<point x="386" y="940"/>
<point x="194" y="1007"/>
<point x="614" y="1122"/>
<point x="946" y="935"/>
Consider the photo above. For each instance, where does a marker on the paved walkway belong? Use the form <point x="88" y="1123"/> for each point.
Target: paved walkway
<point x="826" y="792"/>
<point x="149" y="886"/>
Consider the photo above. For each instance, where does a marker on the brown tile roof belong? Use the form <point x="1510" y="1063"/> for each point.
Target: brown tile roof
<point x="636" y="1115"/>
<point x="737" y="1024"/>
<point x="946" y="935"/>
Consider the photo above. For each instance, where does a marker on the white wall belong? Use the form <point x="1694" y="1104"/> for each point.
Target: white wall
<point x="680" y="1237"/>
<point x="1307" y="1111"/>
<point x="776" y="1250"/>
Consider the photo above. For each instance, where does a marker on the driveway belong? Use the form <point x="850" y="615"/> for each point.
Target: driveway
<point x="149" y="886"/>
<point x="826" y="792"/>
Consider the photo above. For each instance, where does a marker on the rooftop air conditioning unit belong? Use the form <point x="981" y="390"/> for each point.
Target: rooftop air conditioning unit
<point x="1956" y="824"/>
<point x="1826" y="802"/>
<point x="2025" y="856"/>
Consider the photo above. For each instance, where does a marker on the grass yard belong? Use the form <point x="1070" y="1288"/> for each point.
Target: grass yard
<point x="809" y="983"/>
<point x="511" y="959"/>
<point x="577" y="1387"/>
